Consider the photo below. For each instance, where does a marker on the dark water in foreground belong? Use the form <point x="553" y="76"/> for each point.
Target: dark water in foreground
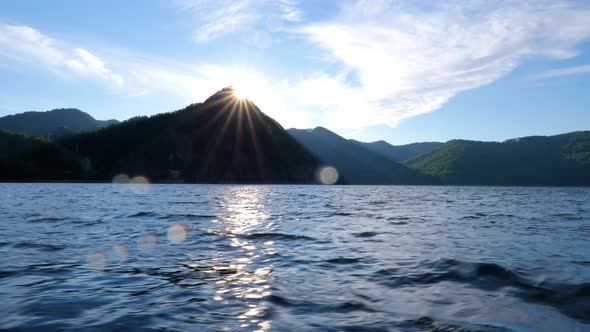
<point x="294" y="258"/>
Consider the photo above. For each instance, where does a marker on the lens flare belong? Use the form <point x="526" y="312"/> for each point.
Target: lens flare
<point x="97" y="260"/>
<point x="121" y="251"/>
<point x="177" y="233"/>
<point x="140" y="184"/>
<point x="147" y="242"/>
<point x="120" y="182"/>
<point x="328" y="175"/>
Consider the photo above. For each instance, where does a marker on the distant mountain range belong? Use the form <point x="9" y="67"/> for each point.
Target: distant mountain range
<point x="53" y="124"/>
<point x="229" y="140"/>
<point x="355" y="163"/>
<point x="538" y="160"/>
<point x="399" y="153"/>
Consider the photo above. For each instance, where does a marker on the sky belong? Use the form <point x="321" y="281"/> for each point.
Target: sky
<point x="400" y="71"/>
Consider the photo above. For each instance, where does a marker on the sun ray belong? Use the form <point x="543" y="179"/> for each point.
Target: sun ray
<point x="217" y="139"/>
<point x="257" y="152"/>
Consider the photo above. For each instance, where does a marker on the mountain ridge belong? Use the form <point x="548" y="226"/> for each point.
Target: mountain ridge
<point x="222" y="140"/>
<point x="562" y="159"/>
<point x="53" y="123"/>
<point x="355" y="164"/>
<point x="229" y="140"/>
<point x="399" y="153"/>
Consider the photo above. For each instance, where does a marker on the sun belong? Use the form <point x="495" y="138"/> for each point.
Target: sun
<point x="253" y="88"/>
<point x="245" y="88"/>
<point x="248" y="85"/>
<point x="240" y="93"/>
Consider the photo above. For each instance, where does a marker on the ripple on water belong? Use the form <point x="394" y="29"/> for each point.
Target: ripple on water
<point x="38" y="246"/>
<point x="365" y="234"/>
<point x="294" y="258"/>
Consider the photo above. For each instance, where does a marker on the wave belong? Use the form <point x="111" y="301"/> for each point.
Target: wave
<point x="339" y="214"/>
<point x="277" y="236"/>
<point x="342" y="307"/>
<point x="142" y="214"/>
<point x="480" y="215"/>
<point x="470" y="217"/>
<point x="399" y="218"/>
<point x="170" y="216"/>
<point x="188" y="202"/>
<point x="42" y="247"/>
<point x="432" y="325"/>
<point x="365" y="234"/>
<point x="45" y="219"/>
<point x="586" y="263"/>
<point x="343" y="260"/>
<point x="176" y="216"/>
<point x="398" y="223"/>
<point x="571" y="299"/>
<point x="505" y="215"/>
<point x="6" y="274"/>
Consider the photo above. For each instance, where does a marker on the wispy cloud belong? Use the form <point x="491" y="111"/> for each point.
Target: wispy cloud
<point x="563" y="72"/>
<point x="219" y="17"/>
<point x="290" y="10"/>
<point x="216" y="18"/>
<point x="410" y="57"/>
<point x="23" y="44"/>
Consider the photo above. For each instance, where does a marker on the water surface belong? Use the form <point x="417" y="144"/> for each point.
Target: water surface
<point x="294" y="258"/>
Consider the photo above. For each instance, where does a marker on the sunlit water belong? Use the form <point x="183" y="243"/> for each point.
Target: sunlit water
<point x="294" y="258"/>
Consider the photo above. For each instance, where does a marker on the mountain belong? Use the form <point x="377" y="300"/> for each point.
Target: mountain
<point x="222" y="140"/>
<point x="55" y="123"/>
<point x="537" y="160"/>
<point x="355" y="163"/>
<point x="230" y="140"/>
<point x="32" y="158"/>
<point x="399" y="152"/>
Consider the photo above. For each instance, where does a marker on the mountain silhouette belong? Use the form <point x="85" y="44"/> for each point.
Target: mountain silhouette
<point x="355" y="163"/>
<point x="537" y="160"/>
<point x="230" y="140"/>
<point x="222" y="140"/>
<point x="399" y="153"/>
<point x="55" y="123"/>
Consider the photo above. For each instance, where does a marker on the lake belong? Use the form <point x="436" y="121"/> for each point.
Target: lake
<point x="293" y="258"/>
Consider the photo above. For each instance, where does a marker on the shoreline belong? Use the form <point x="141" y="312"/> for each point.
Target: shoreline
<point x="298" y="184"/>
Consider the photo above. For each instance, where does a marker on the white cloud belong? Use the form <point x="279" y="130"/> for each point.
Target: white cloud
<point x="412" y="57"/>
<point x="138" y="76"/>
<point x="563" y="72"/>
<point x="87" y="64"/>
<point x="23" y="44"/>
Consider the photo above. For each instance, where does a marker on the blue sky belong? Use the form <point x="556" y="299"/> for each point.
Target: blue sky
<point x="402" y="71"/>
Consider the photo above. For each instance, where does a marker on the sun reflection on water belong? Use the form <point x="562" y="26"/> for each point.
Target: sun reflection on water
<point x="246" y="207"/>
<point x="250" y="282"/>
<point x="240" y="277"/>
